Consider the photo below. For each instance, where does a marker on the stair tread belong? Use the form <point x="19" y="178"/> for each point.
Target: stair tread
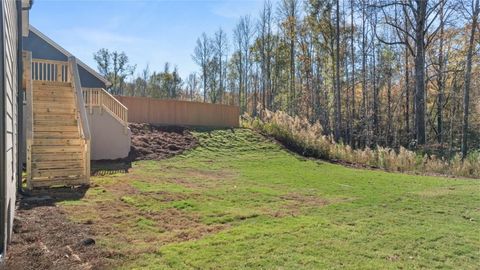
<point x="54" y="164"/>
<point x="62" y="169"/>
<point x="40" y="182"/>
<point x="51" y="103"/>
<point x="55" y="148"/>
<point x="59" y="173"/>
<point x="56" y="123"/>
<point x="52" y="94"/>
<point x="50" y="83"/>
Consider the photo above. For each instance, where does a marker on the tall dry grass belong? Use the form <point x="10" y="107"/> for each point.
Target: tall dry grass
<point x="299" y="134"/>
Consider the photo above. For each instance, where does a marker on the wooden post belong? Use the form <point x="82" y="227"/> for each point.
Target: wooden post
<point x="87" y="161"/>
<point x="59" y="72"/>
<point x="27" y="65"/>
<point x="100" y="101"/>
<point x="29" y="163"/>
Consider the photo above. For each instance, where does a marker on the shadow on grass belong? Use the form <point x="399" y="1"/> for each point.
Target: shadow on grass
<point x="109" y="167"/>
<point x="50" y="196"/>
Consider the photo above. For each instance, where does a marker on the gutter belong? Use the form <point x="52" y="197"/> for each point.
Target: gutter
<point x="30" y="4"/>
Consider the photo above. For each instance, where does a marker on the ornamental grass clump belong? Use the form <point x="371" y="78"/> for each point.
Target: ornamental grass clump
<point x="308" y="139"/>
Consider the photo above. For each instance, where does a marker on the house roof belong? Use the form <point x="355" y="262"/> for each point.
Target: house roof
<point x="68" y="54"/>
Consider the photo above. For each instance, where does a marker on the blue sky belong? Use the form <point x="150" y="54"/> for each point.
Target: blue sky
<point x="149" y="31"/>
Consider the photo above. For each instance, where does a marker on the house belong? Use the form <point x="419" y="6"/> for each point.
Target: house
<point x="42" y="47"/>
<point x="13" y="15"/>
<point x="54" y="114"/>
<point x="70" y="119"/>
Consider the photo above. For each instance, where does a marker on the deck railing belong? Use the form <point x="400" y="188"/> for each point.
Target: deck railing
<point x="98" y="97"/>
<point x="49" y="70"/>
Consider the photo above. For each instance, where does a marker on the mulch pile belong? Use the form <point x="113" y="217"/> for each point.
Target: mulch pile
<point x="151" y="142"/>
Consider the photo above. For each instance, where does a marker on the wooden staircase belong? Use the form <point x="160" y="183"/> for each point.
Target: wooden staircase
<point x="58" y="151"/>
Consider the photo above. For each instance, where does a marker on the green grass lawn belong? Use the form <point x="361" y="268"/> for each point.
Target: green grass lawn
<point x="239" y="201"/>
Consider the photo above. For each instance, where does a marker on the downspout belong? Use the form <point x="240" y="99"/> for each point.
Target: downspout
<point x="20" y="96"/>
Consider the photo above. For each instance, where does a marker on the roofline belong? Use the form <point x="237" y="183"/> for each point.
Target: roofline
<point x="68" y="54"/>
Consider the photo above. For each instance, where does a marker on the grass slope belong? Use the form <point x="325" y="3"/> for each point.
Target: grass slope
<point x="239" y="201"/>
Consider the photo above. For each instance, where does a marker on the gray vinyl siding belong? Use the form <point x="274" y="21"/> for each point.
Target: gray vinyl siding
<point x="9" y="114"/>
<point x="43" y="50"/>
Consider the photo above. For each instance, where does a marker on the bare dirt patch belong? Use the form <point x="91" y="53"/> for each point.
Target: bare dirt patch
<point x="140" y="224"/>
<point x="44" y="238"/>
<point x="202" y="179"/>
<point x="437" y="192"/>
<point x="150" y="142"/>
<point x="182" y="225"/>
<point x="296" y="202"/>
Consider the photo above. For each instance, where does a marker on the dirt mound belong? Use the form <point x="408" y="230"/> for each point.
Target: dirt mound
<point x="151" y="142"/>
<point x="44" y="238"/>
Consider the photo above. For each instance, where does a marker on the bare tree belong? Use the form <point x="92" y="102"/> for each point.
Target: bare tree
<point x="440" y="76"/>
<point x="364" y="118"/>
<point x="202" y="56"/>
<point x="353" y="115"/>
<point x="473" y="12"/>
<point x="288" y="13"/>
<point x="192" y="86"/>
<point x="220" y="57"/>
<point x="265" y="32"/>
<point x="420" y="15"/>
<point x="243" y="35"/>
<point x="144" y="75"/>
<point x="338" y="104"/>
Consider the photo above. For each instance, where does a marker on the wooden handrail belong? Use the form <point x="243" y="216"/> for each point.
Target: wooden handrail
<point x="98" y="97"/>
<point x="84" y="127"/>
<point x="50" y="70"/>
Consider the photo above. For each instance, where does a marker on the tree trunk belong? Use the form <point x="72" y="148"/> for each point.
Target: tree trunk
<point x="338" y="108"/>
<point x="364" y="80"/>
<point x="292" y="76"/>
<point x="407" y="97"/>
<point x="353" y="115"/>
<point x="407" y="88"/>
<point x="204" y="84"/>
<point x="375" y="99"/>
<point x="440" y="79"/>
<point x="468" y="73"/>
<point x="389" y="108"/>
<point x="420" y="73"/>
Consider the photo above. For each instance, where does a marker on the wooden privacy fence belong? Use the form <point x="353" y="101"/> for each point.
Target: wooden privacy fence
<point x="179" y="113"/>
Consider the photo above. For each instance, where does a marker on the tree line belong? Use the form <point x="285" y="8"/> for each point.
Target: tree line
<point x="372" y="72"/>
